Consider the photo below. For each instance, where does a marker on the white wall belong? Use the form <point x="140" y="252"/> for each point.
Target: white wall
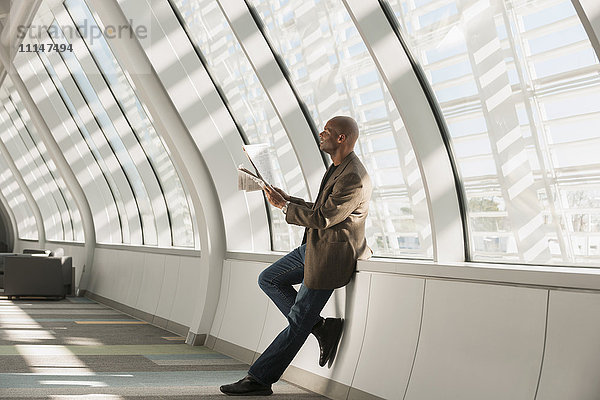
<point x="164" y="285"/>
<point x="421" y="337"/>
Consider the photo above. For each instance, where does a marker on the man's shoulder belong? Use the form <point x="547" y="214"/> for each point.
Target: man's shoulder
<point x="357" y="167"/>
<point x="355" y="174"/>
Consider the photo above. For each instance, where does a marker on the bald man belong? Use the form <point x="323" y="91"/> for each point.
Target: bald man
<point x="334" y="240"/>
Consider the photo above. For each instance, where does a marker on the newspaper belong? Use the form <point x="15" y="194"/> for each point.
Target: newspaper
<point x="259" y="156"/>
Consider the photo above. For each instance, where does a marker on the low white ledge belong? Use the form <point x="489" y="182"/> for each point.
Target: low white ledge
<point x="175" y="251"/>
<point x="508" y="274"/>
<point x="511" y="274"/>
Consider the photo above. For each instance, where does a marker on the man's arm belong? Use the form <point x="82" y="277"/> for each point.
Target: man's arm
<point x="345" y="198"/>
<point x="301" y="202"/>
<point x="291" y="199"/>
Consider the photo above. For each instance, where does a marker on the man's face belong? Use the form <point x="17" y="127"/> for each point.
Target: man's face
<point x="329" y="138"/>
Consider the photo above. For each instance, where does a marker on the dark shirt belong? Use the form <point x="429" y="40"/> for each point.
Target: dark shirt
<point x="328" y="174"/>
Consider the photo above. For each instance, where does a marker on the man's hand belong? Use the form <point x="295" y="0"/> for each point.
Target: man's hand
<point x="282" y="193"/>
<point x="276" y="196"/>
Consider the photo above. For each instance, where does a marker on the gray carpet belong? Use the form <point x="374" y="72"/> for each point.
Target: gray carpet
<point x="78" y="349"/>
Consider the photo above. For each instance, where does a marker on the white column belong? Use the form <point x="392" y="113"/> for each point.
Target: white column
<point x="423" y="131"/>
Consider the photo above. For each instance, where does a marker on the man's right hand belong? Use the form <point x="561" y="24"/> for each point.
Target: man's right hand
<point x="282" y="193"/>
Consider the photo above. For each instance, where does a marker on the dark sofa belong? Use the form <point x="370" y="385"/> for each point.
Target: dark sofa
<point x="31" y="275"/>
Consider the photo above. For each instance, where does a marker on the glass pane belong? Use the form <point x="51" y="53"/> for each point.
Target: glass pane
<point x="46" y="195"/>
<point x="248" y="103"/>
<point x="71" y="219"/>
<point x="34" y="171"/>
<point x="26" y="227"/>
<point x="180" y="215"/>
<point x="120" y="149"/>
<point x="335" y="75"/>
<point x="518" y="84"/>
<point x="76" y="151"/>
<point x="97" y="145"/>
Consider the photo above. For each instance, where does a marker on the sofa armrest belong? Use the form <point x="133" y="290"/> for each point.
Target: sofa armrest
<point x="67" y="273"/>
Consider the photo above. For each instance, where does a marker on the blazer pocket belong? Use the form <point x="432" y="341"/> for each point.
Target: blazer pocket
<point x="338" y="254"/>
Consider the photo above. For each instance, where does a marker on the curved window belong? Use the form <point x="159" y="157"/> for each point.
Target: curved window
<point x="31" y="158"/>
<point x="71" y="219"/>
<point x="519" y="86"/>
<point x="335" y="75"/>
<point x="248" y="103"/>
<point x="26" y="226"/>
<point x="97" y="144"/>
<point x="114" y="127"/>
<point x="66" y="134"/>
<point x="179" y="210"/>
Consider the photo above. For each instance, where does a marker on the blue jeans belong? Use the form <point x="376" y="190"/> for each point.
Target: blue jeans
<point x="302" y="310"/>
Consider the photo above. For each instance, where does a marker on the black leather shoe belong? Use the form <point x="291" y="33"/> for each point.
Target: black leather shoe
<point x="247" y="387"/>
<point x="328" y="333"/>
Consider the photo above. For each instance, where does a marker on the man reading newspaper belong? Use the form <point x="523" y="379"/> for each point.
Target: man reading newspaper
<point x="334" y="240"/>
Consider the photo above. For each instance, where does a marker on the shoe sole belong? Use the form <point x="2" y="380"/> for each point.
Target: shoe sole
<point x="257" y="393"/>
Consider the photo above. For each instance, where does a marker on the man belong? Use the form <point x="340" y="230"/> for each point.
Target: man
<point x="334" y="240"/>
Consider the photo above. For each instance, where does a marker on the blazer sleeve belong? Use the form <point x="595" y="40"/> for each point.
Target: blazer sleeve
<point x="299" y="201"/>
<point x="343" y="200"/>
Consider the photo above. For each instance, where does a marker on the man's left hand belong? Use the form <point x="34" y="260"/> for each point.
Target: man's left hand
<point x="274" y="197"/>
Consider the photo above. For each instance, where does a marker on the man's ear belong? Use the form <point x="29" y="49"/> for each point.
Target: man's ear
<point x="342" y="137"/>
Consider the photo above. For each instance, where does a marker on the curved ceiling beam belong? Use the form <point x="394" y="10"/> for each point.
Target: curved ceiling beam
<point x="589" y="14"/>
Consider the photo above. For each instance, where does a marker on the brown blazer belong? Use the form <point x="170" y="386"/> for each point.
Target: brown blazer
<point x="336" y="226"/>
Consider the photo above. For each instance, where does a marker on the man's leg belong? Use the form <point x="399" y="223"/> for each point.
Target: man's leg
<point x="277" y="279"/>
<point x="303" y="315"/>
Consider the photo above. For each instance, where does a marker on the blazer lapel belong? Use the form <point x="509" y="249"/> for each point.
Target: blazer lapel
<point x="340" y="168"/>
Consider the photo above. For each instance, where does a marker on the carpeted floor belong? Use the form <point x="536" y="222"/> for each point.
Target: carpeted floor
<point x="79" y="349"/>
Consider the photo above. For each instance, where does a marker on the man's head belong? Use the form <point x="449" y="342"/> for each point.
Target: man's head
<point x="339" y="137"/>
